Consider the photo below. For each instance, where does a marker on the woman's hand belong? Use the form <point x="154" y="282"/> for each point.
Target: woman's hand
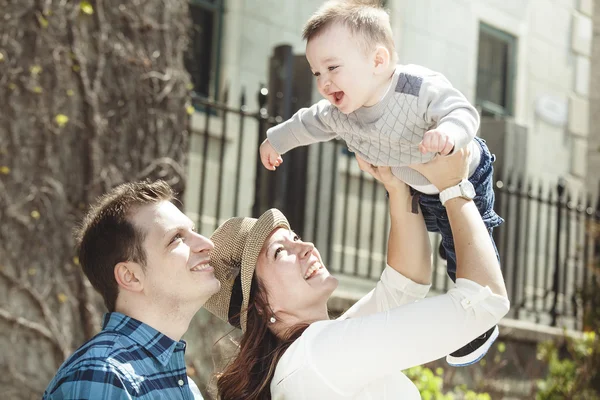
<point x="382" y="174"/>
<point x="446" y="171"/>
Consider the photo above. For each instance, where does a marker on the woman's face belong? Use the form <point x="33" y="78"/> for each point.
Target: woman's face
<point x="292" y="272"/>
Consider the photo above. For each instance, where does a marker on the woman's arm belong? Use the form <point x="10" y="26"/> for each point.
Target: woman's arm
<point x="409" y="250"/>
<point x="431" y="328"/>
<point x="475" y="256"/>
<point x="413" y="334"/>
<point x="407" y="277"/>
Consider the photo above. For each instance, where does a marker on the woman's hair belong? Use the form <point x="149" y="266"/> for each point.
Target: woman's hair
<point x="250" y="373"/>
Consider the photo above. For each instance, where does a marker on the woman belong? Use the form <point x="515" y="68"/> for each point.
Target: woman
<point x="275" y="288"/>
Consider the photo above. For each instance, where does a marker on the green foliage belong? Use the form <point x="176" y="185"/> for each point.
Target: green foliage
<point x="575" y="374"/>
<point x="574" y="364"/>
<point x="431" y="386"/>
<point x="86" y="7"/>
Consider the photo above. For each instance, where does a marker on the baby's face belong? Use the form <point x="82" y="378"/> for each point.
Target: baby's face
<point x="345" y="74"/>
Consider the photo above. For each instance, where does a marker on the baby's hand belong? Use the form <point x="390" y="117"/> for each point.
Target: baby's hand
<point x="436" y="141"/>
<point x="269" y="157"/>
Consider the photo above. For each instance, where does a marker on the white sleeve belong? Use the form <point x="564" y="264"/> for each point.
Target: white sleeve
<point x="403" y="337"/>
<point x="392" y="290"/>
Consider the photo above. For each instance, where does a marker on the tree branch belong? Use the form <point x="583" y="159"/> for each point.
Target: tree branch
<point x="54" y="333"/>
<point x="30" y="325"/>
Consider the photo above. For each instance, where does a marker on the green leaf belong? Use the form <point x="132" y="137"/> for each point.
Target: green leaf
<point x="35" y="70"/>
<point x="61" y="120"/>
<point x="43" y="21"/>
<point x="86" y="7"/>
<point x="501" y="347"/>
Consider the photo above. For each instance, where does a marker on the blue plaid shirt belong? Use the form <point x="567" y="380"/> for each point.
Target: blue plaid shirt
<point x="127" y="359"/>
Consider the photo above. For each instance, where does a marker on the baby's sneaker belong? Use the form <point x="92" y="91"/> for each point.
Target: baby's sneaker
<point x="473" y="351"/>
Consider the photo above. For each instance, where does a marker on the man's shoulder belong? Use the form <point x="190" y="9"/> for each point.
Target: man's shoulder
<point x="100" y="352"/>
<point x="96" y="363"/>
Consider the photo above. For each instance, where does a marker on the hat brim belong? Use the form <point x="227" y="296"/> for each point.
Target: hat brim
<point x="268" y="222"/>
<point x="238" y="243"/>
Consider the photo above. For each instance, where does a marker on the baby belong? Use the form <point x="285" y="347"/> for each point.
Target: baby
<point x="390" y="115"/>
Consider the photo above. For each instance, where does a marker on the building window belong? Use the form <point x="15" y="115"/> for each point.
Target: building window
<point x="202" y="58"/>
<point x="496" y="71"/>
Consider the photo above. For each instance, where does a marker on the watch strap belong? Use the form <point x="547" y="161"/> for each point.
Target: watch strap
<point x="450" y="193"/>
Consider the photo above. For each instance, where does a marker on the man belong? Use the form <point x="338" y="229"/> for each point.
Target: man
<point x="152" y="269"/>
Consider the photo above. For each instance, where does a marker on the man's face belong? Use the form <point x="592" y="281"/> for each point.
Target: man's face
<point x="177" y="271"/>
<point x="345" y="74"/>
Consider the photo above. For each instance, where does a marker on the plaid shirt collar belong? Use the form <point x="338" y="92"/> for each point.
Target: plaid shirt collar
<point x="155" y="343"/>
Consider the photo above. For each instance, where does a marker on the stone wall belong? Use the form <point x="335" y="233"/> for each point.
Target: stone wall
<point x="593" y="178"/>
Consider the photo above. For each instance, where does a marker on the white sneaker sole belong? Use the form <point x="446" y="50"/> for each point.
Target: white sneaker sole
<point x="476" y="355"/>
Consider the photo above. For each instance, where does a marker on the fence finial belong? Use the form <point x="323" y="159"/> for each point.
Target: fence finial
<point x="262" y="95"/>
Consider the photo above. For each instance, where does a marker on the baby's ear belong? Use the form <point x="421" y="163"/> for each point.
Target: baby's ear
<point x="382" y="57"/>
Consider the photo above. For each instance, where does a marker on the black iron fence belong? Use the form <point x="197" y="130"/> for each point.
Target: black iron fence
<point x="548" y="246"/>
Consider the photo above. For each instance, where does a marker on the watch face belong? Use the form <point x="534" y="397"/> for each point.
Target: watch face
<point x="467" y="189"/>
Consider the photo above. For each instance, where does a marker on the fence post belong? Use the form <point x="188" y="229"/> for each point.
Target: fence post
<point x="560" y="189"/>
<point x="262" y="118"/>
<point x="289" y="89"/>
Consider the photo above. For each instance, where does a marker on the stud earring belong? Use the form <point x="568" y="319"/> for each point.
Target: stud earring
<point x="272" y="320"/>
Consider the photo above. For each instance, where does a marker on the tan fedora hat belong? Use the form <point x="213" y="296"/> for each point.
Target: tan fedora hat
<point x="238" y="242"/>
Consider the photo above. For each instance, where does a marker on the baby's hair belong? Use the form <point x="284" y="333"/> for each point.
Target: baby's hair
<point x="366" y="19"/>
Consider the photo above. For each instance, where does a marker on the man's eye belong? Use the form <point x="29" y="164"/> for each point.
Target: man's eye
<point x="332" y="68"/>
<point x="176" y="237"/>
<point x="296" y="238"/>
<point x="280" y="249"/>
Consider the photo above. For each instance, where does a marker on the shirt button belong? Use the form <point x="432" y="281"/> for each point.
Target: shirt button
<point x="180" y="382"/>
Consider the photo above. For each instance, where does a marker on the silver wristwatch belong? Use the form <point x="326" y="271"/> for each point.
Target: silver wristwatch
<point x="464" y="189"/>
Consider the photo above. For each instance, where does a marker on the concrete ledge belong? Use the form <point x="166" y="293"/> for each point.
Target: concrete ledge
<point x="525" y="331"/>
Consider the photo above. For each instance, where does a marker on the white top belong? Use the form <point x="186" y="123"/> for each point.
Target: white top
<point x="361" y="354"/>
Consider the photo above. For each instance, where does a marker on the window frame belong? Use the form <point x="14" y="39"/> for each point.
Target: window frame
<point x="511" y="74"/>
<point x="217" y="7"/>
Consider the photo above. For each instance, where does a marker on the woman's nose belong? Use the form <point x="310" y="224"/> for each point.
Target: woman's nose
<point x="306" y="249"/>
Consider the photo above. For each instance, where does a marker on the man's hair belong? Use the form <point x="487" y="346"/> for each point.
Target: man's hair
<point x="366" y="20"/>
<point x="107" y="235"/>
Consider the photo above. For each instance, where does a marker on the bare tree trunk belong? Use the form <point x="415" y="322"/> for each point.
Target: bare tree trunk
<point x="92" y="94"/>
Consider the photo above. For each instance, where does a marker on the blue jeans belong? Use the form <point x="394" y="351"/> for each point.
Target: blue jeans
<point x="436" y="217"/>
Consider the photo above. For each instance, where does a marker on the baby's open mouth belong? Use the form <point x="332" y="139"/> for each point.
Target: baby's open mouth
<point x="338" y="97"/>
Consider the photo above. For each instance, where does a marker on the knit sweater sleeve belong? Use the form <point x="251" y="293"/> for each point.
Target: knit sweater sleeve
<point x="446" y="108"/>
<point x="307" y="126"/>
